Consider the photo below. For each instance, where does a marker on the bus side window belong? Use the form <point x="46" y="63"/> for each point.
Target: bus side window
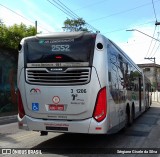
<point x="109" y="76"/>
<point x="1" y="75"/>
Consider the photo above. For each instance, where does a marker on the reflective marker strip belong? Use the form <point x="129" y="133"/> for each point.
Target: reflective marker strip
<point x="98" y="128"/>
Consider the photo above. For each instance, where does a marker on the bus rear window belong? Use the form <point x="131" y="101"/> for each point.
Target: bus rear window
<point x="60" y="50"/>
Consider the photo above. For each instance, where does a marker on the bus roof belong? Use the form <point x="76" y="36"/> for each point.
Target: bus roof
<point x="62" y="34"/>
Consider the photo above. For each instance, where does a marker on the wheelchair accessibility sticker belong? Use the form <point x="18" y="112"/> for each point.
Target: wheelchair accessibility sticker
<point x="35" y="106"/>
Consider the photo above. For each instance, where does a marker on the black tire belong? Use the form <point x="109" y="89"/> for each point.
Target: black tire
<point x="133" y="112"/>
<point x="128" y="121"/>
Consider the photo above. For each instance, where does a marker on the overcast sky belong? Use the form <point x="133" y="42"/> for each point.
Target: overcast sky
<point x="111" y="17"/>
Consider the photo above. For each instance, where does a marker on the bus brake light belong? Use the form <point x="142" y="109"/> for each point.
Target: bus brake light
<point x="58" y="57"/>
<point x="20" y="106"/>
<point x="101" y="106"/>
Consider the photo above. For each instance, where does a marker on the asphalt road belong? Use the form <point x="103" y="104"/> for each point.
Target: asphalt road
<point x="143" y="135"/>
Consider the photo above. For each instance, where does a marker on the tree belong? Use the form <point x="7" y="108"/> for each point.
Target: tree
<point x="74" y="25"/>
<point x="11" y="36"/>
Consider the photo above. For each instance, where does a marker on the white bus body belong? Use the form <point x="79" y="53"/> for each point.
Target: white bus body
<point x="77" y="83"/>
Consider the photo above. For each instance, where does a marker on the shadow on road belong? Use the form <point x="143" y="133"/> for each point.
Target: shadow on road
<point x="7" y="138"/>
<point x="77" y="144"/>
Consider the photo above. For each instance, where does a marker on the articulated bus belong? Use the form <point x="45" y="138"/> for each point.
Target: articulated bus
<point x="78" y="82"/>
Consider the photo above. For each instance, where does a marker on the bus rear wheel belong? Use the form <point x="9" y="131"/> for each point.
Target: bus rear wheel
<point x="127" y="117"/>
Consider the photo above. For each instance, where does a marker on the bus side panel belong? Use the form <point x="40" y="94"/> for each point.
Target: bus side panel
<point x="115" y="92"/>
<point x="101" y="62"/>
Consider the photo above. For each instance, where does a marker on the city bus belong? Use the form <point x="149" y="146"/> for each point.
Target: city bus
<point x="78" y="82"/>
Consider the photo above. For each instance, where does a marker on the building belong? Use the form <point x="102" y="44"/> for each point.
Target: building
<point x="152" y="71"/>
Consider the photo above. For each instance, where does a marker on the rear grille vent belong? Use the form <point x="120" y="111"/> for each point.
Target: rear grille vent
<point x="71" y="76"/>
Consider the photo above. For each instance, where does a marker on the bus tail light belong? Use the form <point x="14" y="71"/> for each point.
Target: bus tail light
<point x="21" y="111"/>
<point x="101" y="106"/>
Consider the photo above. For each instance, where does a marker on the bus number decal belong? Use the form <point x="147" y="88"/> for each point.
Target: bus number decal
<point x="79" y="91"/>
<point x="62" y="48"/>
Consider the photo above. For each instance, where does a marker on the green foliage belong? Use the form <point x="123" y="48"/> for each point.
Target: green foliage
<point x="11" y="36"/>
<point x="74" y="25"/>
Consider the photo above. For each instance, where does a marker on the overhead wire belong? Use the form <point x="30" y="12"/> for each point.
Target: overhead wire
<point x="66" y="8"/>
<point x="61" y="6"/>
<point x="66" y="12"/>
<point x="156" y="50"/>
<point x="125" y="28"/>
<point x="89" y="5"/>
<point x="151" y="42"/>
<point x="153" y="33"/>
<point x="90" y="26"/>
<point x="23" y="17"/>
<point x="75" y="16"/>
<point x="154" y="10"/>
<point x="154" y="47"/>
<point x="121" y="12"/>
<point x="159" y="43"/>
<point x="16" y="13"/>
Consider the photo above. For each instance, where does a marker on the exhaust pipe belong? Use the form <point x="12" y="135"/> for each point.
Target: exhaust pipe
<point x="44" y="133"/>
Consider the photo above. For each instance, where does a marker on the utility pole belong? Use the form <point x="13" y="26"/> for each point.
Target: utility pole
<point x="156" y="23"/>
<point x="155" y="70"/>
<point x="36" y="26"/>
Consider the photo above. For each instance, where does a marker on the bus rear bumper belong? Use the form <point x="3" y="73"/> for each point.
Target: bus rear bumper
<point x="88" y="126"/>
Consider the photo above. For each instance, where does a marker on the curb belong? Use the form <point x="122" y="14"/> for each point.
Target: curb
<point x="8" y="119"/>
<point x="155" y="102"/>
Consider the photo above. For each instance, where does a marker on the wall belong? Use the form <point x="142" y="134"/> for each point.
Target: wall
<point x="152" y="71"/>
<point x="156" y="96"/>
<point x="8" y="86"/>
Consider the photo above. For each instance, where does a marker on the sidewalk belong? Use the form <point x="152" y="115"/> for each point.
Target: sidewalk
<point x="8" y="119"/>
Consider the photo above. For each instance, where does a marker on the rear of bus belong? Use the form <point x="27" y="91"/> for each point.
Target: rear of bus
<point x="62" y="83"/>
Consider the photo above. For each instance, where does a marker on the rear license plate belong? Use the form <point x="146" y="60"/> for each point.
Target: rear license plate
<point x="56" y="107"/>
<point x="56" y="128"/>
